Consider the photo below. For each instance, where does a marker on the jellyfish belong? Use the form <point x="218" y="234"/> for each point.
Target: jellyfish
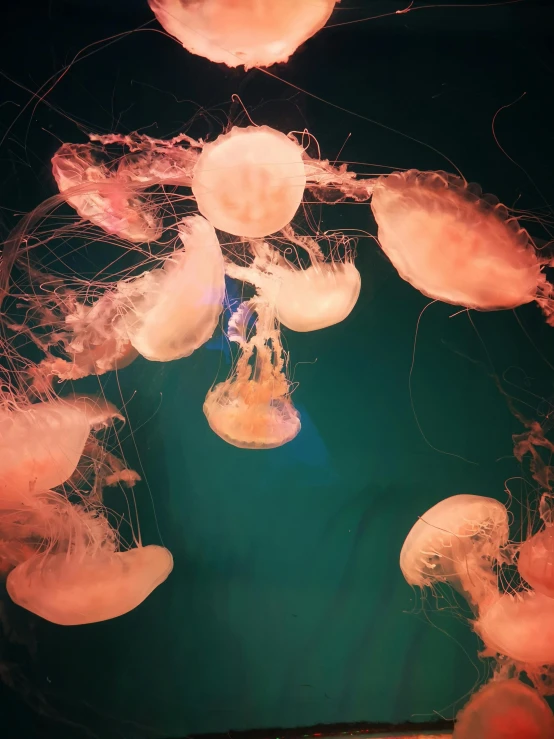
<point x="536" y="561"/>
<point x="458" y="541"/>
<point x="253" y="33"/>
<point x="41" y="444"/>
<point x="167" y="313"/>
<point x="304" y="299"/>
<point x="253" y="409"/>
<point x="455" y="244"/>
<point x="74" y="588"/>
<point x="101" y="197"/>
<point x="250" y="181"/>
<point x="505" y="709"/>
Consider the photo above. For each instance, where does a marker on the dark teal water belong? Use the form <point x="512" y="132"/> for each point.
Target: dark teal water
<point x="286" y="606"/>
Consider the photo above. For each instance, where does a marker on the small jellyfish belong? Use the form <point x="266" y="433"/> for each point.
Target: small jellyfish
<point x="304" y="299"/>
<point x="253" y="409"/>
<point x="250" y="182"/>
<point x="536" y="561"/>
<point x="458" y="542"/>
<point x="74" y="588"/>
<point x="454" y="244"/>
<point x="168" y="313"/>
<point x="505" y="709"/>
<point x="519" y="627"/>
<point x="101" y="197"/>
<point x="253" y="33"/>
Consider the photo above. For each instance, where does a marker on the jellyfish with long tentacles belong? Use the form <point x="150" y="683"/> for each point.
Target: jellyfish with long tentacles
<point x="505" y="709"/>
<point x="253" y="409"/>
<point x="304" y="298"/>
<point x="458" y="542"/>
<point x="253" y="33"/>
<point x="455" y="244"/>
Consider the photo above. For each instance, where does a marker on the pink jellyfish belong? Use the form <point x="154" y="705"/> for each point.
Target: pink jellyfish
<point x="536" y="561"/>
<point x="167" y="313"/>
<point x="319" y="296"/>
<point x="458" y="541"/>
<point x="454" y="244"/>
<point x="252" y="409"/>
<point x="505" y="709"/>
<point x="250" y="181"/>
<point x="253" y="33"/>
<point x="82" y="587"/>
<point x="100" y="196"/>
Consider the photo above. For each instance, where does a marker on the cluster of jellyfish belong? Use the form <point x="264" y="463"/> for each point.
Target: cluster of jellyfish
<point x="186" y="215"/>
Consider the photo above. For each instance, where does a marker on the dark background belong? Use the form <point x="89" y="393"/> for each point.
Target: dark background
<point x="286" y="606"/>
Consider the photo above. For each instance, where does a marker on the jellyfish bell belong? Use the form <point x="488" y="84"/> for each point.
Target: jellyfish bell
<point x="73" y="589"/>
<point x="250" y="182"/>
<point x="253" y="409"/>
<point x="536" y="561"/>
<point x="167" y="313"/>
<point x="457" y="542"/>
<point x="505" y="709"/>
<point x="253" y="33"/>
<point x="100" y="197"/>
<point x="454" y="244"/>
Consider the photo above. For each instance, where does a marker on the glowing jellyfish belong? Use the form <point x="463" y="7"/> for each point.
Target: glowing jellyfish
<point x="304" y="299"/>
<point x="253" y="408"/>
<point x="458" y="542"/>
<point x="250" y="181"/>
<point x="505" y="709"/>
<point x="536" y="561"/>
<point x="71" y="588"/>
<point x="454" y="244"/>
<point x="253" y="33"/>
<point x="168" y="313"/>
<point x="100" y="197"/>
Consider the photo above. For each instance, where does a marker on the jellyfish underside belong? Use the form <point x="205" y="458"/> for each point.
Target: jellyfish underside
<point x="505" y="709"/>
<point x="71" y="590"/>
<point x="253" y="33"/>
<point x="253" y="409"/>
<point x="250" y="181"/>
<point x="458" y="542"/>
<point x="452" y="243"/>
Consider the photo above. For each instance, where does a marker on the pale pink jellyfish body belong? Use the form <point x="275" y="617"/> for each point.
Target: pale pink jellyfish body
<point x="253" y="409"/>
<point x="250" y="182"/>
<point x="304" y="299"/>
<point x="41" y="444"/>
<point x="458" y="542"/>
<point x="74" y="588"/>
<point x="536" y="561"/>
<point x="101" y="197"/>
<point x="454" y="244"/>
<point x="167" y="313"/>
<point x="253" y="33"/>
<point x="505" y="709"/>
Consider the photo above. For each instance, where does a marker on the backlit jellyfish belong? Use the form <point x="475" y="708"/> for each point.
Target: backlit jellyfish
<point x="304" y="299"/>
<point x="250" y="181"/>
<point x="167" y="313"/>
<point x="536" y="561"/>
<point x="253" y="33"/>
<point x="100" y="196"/>
<point x="41" y="444"/>
<point x="253" y="409"/>
<point x="455" y="244"/>
<point x="82" y="587"/>
<point x="505" y="709"/>
<point x="458" y="541"/>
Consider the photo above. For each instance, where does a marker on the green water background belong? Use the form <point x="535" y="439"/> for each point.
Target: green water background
<point x="286" y="606"/>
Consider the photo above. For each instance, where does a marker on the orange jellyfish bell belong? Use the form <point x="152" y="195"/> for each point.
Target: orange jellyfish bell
<point x="71" y="589"/>
<point x="253" y="408"/>
<point x="505" y="709"/>
<point x="536" y="561"/>
<point x="250" y="181"/>
<point x="454" y="244"/>
<point x="253" y="33"/>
